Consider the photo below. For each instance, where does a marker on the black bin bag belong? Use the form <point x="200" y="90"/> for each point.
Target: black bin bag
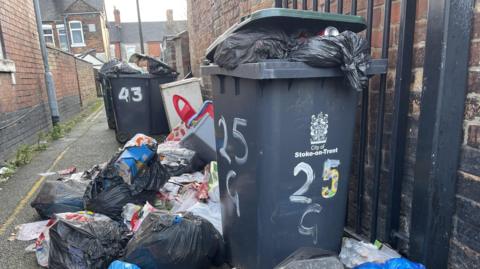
<point x="59" y="196"/>
<point x="347" y="50"/>
<point x="251" y="46"/>
<point x="175" y="242"/>
<point x="108" y="196"/>
<point x="85" y="243"/>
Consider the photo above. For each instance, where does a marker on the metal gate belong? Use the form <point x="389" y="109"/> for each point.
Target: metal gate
<point x="445" y="66"/>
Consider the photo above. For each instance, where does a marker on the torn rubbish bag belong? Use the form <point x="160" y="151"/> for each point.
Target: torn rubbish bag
<point x="251" y="46"/>
<point x="86" y="242"/>
<point x="175" y="242"/>
<point x="151" y="178"/>
<point x="347" y="50"/>
<point x="59" y="196"/>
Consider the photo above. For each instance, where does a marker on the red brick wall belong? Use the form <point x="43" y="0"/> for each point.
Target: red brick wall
<point x="86" y="82"/>
<point x="73" y="90"/>
<point x="465" y="242"/>
<point x="154" y="49"/>
<point x="62" y="66"/>
<point x="23" y="112"/>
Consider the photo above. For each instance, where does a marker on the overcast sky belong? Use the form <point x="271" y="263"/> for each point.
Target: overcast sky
<point x="151" y="10"/>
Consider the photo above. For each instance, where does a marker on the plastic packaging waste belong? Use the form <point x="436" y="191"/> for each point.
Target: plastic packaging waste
<point x="60" y="196"/>
<point x="396" y="263"/>
<point x="31" y="231"/>
<point x="86" y="242"/>
<point x="175" y="242"/>
<point x="355" y="253"/>
<point x="310" y="258"/>
<point x="122" y="265"/>
<point x="210" y="211"/>
<point x="252" y="45"/>
<point x="179" y="160"/>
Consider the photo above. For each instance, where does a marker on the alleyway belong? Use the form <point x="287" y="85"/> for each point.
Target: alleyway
<point x="89" y="143"/>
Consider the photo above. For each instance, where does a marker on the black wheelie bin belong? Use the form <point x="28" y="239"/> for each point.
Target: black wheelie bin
<point x="284" y="133"/>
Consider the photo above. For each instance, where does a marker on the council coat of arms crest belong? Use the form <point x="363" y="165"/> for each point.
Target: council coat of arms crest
<point x="319" y="129"/>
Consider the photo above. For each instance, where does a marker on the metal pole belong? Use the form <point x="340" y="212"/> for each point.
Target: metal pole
<point x="377" y="165"/>
<point x="52" y="96"/>
<point x="400" y="119"/>
<point x="140" y="29"/>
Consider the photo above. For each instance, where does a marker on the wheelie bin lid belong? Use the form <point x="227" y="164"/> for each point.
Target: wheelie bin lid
<point x="291" y="19"/>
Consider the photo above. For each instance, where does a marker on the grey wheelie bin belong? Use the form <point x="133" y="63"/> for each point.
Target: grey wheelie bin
<point x="284" y="136"/>
<point x="137" y="104"/>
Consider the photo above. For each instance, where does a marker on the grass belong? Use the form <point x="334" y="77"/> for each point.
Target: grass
<point x="25" y="153"/>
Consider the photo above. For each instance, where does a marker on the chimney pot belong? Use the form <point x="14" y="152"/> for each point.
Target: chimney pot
<point x="169" y="15"/>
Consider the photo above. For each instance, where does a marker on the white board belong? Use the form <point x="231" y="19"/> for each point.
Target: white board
<point x="188" y="89"/>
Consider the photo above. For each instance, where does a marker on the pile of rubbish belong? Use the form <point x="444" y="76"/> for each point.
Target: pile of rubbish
<point x="152" y="205"/>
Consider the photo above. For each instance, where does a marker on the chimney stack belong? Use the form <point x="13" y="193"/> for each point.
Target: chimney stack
<point x="116" y="14"/>
<point x="169" y="16"/>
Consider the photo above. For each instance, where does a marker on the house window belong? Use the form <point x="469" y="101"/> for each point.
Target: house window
<point x="62" y="36"/>
<point x="76" y="34"/>
<point x="48" y="34"/>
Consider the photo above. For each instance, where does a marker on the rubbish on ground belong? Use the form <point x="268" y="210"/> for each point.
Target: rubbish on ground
<point x="179" y="160"/>
<point x="154" y="66"/>
<point x="85" y="241"/>
<point x="355" y="253"/>
<point x="42" y="244"/>
<point x="175" y="241"/>
<point x="186" y="200"/>
<point x="190" y="89"/>
<point x="132" y="160"/>
<point x="60" y="196"/>
<point x="67" y="171"/>
<point x="122" y="265"/>
<point x="141" y="140"/>
<point x="64" y="172"/>
<point x="210" y="211"/>
<point x="108" y="196"/>
<point x="310" y="258"/>
<point x="133" y="215"/>
<point x="251" y="46"/>
<point x="201" y="139"/>
<point x="31" y="231"/>
<point x="151" y="178"/>
<point x="396" y="263"/>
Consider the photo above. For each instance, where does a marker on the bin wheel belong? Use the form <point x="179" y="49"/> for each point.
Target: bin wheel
<point x="111" y="124"/>
<point x="122" y="137"/>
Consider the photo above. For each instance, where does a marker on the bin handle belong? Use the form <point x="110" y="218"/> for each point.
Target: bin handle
<point x="187" y="111"/>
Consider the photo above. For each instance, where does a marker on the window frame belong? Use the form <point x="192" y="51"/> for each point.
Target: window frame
<point x="59" y="28"/>
<point x="73" y="43"/>
<point x="52" y="35"/>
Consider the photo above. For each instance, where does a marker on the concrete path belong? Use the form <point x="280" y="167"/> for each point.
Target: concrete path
<point x="89" y="143"/>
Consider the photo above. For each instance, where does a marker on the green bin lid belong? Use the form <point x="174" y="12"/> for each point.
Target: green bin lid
<point x="285" y="18"/>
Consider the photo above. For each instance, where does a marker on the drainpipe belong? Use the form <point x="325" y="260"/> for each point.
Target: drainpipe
<point x="52" y="97"/>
